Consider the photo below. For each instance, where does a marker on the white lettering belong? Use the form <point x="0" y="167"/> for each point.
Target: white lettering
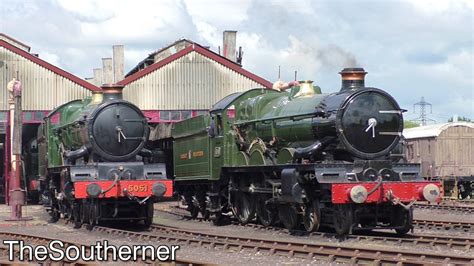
<point x="56" y="251"/>
<point x="125" y="253"/>
<point x="11" y="249"/>
<point x="163" y="253"/>
<point x="41" y="253"/>
<point x="76" y="253"/>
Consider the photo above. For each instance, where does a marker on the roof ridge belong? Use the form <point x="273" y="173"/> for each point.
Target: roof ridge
<point x="203" y="51"/>
<point x="15" y="40"/>
<point x="49" y="66"/>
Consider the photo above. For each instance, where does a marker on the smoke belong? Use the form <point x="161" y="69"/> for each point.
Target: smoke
<point x="337" y="57"/>
<point x="310" y="56"/>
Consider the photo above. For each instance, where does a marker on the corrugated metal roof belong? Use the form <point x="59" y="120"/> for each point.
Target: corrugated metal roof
<point x="150" y="59"/>
<point x="14" y="42"/>
<point x="432" y="130"/>
<point x="44" y="86"/>
<point x="192" y="81"/>
<point x="42" y="89"/>
<point x="48" y="66"/>
<point x="203" y="51"/>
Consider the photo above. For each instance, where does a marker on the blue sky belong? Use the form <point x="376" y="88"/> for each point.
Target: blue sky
<point x="410" y="48"/>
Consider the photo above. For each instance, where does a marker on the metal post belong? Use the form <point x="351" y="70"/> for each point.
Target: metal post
<point x="16" y="195"/>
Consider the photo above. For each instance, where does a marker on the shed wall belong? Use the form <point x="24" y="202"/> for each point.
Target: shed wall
<point x="455" y="147"/>
<point x="449" y="154"/>
<point x="42" y="88"/>
<point x="190" y="82"/>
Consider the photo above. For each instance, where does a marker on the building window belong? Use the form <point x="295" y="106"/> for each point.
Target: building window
<point x="164" y="115"/>
<point x="201" y="112"/>
<point x="27" y="116"/>
<point x="175" y="115"/>
<point x="39" y="116"/>
<point x="185" y="114"/>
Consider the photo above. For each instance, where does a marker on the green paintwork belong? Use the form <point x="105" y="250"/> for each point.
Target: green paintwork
<point x="285" y="155"/>
<point x="260" y="114"/>
<point x="191" y="148"/>
<point x="68" y="114"/>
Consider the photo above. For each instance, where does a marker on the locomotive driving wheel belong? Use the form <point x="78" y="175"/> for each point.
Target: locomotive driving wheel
<point x="342" y="218"/>
<point x="93" y="214"/>
<point x="203" y="199"/>
<point x="191" y="203"/>
<point x="54" y="211"/>
<point x="312" y="216"/>
<point x="85" y="212"/>
<point x="266" y="212"/>
<point x="76" y="214"/>
<point x="288" y="216"/>
<point x="243" y="207"/>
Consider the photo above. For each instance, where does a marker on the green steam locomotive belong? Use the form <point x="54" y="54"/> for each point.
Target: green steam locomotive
<point x="300" y="157"/>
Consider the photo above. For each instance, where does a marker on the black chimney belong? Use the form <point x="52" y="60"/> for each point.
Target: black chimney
<point x="352" y="78"/>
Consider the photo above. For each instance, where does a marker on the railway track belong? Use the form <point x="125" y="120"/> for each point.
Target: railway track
<point x="456" y="208"/>
<point x="419" y="223"/>
<point x="328" y="252"/>
<point x="428" y="240"/>
<point x="444" y="225"/>
<point x="36" y="240"/>
<point x="33" y="240"/>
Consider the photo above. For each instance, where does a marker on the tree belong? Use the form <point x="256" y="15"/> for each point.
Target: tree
<point x="461" y="118"/>
<point x="410" y="124"/>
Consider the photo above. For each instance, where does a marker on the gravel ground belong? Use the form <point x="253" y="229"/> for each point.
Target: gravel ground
<point x="443" y="215"/>
<point x="63" y="231"/>
<point x="246" y="231"/>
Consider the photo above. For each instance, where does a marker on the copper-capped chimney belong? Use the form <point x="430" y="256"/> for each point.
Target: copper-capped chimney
<point x="352" y="78"/>
<point x="112" y="92"/>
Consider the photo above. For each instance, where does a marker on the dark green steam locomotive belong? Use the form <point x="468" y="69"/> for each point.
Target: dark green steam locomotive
<point x="300" y="157"/>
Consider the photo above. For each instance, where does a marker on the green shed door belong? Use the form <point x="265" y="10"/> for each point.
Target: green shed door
<point x="216" y="151"/>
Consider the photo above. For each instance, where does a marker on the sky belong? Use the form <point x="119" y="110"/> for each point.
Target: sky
<point x="411" y="49"/>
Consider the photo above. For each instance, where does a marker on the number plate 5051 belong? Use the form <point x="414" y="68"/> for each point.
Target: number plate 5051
<point x="137" y="188"/>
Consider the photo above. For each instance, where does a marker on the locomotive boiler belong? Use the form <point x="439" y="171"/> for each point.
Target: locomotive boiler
<point x="301" y="157"/>
<point x="93" y="161"/>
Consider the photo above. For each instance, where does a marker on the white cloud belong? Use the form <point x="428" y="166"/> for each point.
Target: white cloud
<point x="410" y="48"/>
<point x="221" y="13"/>
<point x="53" y="59"/>
<point x="208" y="32"/>
<point x="129" y="20"/>
<point x="435" y="7"/>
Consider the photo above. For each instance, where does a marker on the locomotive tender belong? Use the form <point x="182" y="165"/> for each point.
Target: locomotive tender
<point x="300" y="157"/>
<point x="88" y="166"/>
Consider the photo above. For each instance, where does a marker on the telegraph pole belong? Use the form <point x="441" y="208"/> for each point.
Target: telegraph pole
<point x="423" y="118"/>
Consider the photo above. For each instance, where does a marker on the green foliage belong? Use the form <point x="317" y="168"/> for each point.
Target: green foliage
<point x="410" y="124"/>
<point x="461" y="118"/>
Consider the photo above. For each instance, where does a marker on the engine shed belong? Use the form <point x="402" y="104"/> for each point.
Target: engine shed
<point x="44" y="87"/>
<point x="184" y="79"/>
<point x="445" y="152"/>
<point x="179" y="81"/>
